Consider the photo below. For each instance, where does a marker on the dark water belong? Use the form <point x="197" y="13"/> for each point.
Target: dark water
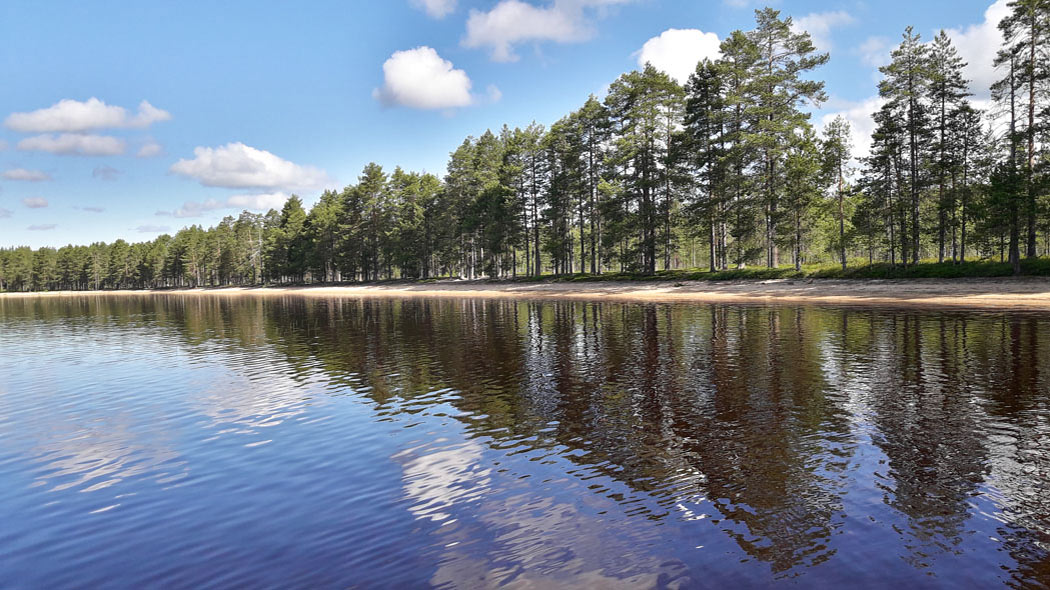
<point x="291" y="442"/>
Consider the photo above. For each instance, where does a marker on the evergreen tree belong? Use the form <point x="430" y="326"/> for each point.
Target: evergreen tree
<point x="907" y="79"/>
<point x="638" y="104"/>
<point x="947" y="91"/>
<point x="803" y="184"/>
<point x="705" y="117"/>
<point x="837" y="146"/>
<point x="776" y="93"/>
<point x="1025" y="59"/>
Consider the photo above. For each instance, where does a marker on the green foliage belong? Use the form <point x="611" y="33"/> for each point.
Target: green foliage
<point x="725" y="173"/>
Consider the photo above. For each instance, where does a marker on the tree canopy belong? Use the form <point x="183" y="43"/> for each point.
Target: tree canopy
<point x="725" y="170"/>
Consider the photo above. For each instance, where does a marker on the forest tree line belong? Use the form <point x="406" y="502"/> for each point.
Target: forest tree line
<point x="723" y="172"/>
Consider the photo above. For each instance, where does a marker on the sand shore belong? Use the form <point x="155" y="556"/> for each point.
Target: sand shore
<point x="1004" y="293"/>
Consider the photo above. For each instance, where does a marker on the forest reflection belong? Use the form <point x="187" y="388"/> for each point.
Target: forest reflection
<point x="785" y="423"/>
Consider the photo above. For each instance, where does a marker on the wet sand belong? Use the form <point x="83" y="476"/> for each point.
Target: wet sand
<point x="998" y="293"/>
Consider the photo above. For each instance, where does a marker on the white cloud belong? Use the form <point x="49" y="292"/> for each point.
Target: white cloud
<point x="874" y="51"/>
<point x="42" y="227"/>
<point x="150" y="149"/>
<point x="513" y="21"/>
<point x="677" y="51"/>
<point x="74" y="144"/>
<point x="26" y="175"/>
<point x="3" y="145"/>
<point x="262" y="202"/>
<point x="152" y="229"/>
<point x="419" y="78"/>
<point x="259" y="202"/>
<point x="106" y="173"/>
<point x="73" y="116"/>
<point x="195" y="209"/>
<point x="35" y="202"/>
<point x="236" y="165"/>
<point x="746" y="3"/>
<point x="5" y="213"/>
<point x="978" y="44"/>
<point x="859" y="114"/>
<point x="436" y="8"/>
<point x="820" y="24"/>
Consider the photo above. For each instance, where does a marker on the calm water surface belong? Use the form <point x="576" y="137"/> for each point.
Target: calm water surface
<point x="300" y="442"/>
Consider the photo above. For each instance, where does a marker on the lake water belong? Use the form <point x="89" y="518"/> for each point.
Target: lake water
<point x="305" y="442"/>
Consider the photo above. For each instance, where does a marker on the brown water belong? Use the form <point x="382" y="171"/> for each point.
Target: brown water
<point x="280" y="442"/>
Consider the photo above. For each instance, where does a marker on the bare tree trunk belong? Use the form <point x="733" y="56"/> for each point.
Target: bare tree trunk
<point x="842" y="222"/>
<point x="1029" y="184"/>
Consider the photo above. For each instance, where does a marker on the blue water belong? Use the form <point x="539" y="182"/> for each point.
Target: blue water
<point x="281" y="442"/>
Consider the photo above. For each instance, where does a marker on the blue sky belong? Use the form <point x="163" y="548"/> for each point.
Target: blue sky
<point x="129" y="119"/>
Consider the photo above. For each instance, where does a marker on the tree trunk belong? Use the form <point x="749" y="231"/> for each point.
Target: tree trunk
<point x="842" y="223"/>
<point x="1030" y="207"/>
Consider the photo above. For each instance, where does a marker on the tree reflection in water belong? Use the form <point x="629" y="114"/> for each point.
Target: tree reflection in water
<point x="846" y="445"/>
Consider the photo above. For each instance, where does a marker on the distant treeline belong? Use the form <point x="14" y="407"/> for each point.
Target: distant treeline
<point x="726" y="171"/>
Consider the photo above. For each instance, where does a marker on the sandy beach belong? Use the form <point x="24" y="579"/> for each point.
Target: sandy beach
<point x="1001" y="293"/>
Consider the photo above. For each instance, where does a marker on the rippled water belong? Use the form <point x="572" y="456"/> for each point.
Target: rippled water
<point x="307" y="442"/>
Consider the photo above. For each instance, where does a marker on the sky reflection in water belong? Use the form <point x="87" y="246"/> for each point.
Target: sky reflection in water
<point x="474" y="443"/>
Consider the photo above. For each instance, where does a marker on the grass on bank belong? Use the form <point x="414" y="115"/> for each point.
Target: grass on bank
<point x="1035" y="267"/>
<point x="1032" y="267"/>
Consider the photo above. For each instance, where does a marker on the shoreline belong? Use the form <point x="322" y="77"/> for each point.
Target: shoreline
<point x="988" y="293"/>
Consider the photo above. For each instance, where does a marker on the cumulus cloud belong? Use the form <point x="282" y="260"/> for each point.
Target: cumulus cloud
<point x="193" y="209"/>
<point x="73" y="116"/>
<point x="859" y="114"/>
<point x="820" y="24"/>
<point x="746" y="3"/>
<point x="26" y="175"/>
<point x="512" y="21"/>
<point x="150" y="149"/>
<point x="74" y="144"/>
<point x="35" y="202"/>
<point x="236" y="165"/>
<point x="42" y="227"/>
<point x="419" y="78"/>
<point x="874" y="51"/>
<point x="5" y="213"/>
<point x="436" y="8"/>
<point x="677" y="51"/>
<point x="977" y="44"/>
<point x="152" y="229"/>
<point x="261" y="202"/>
<point x="3" y="145"/>
<point x="253" y="202"/>
<point x="91" y="209"/>
<point x="106" y="173"/>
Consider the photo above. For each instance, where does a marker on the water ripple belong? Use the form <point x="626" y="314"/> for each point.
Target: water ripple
<point x="275" y="442"/>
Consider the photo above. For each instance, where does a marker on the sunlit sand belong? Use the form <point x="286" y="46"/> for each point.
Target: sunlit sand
<point x="970" y="293"/>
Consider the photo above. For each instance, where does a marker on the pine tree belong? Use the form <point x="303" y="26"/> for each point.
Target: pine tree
<point x="705" y="116"/>
<point x="638" y="104"/>
<point x="947" y="90"/>
<point x="837" y="147"/>
<point x="1025" y="57"/>
<point x="739" y="58"/>
<point x="322" y="228"/>
<point x="777" y="90"/>
<point x="802" y="184"/>
<point x="905" y="88"/>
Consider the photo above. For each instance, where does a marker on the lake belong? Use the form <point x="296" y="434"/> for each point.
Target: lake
<point x="290" y="441"/>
